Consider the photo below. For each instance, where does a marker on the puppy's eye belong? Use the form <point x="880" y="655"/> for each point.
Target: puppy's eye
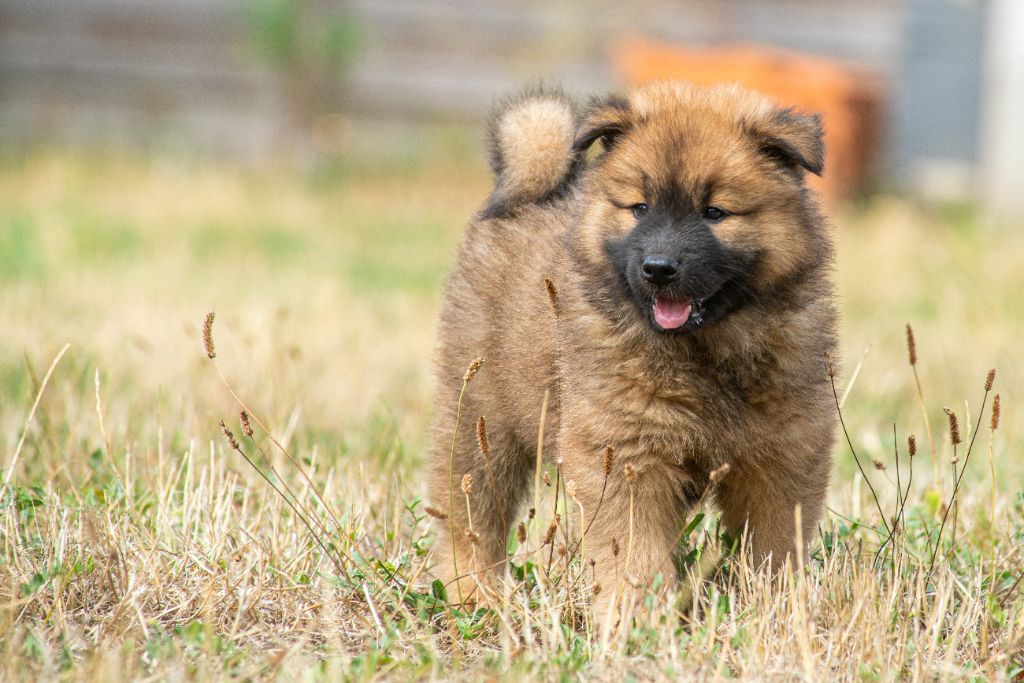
<point x="639" y="210"/>
<point x="713" y="213"/>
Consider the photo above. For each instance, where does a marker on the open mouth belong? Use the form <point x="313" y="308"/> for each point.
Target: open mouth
<point x="672" y="314"/>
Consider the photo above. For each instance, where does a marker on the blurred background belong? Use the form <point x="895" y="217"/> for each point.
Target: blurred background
<point x="923" y="96"/>
<point x="305" y="168"/>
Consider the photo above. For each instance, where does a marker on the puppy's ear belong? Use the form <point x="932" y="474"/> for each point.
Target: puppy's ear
<point x="606" y="119"/>
<point x="792" y="138"/>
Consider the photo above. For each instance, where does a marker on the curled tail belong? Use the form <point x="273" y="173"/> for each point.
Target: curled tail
<point x="531" y="143"/>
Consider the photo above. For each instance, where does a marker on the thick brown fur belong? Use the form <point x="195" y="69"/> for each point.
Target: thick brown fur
<point x="749" y="390"/>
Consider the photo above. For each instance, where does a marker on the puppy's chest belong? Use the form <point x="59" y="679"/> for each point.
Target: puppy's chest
<point x="679" y="410"/>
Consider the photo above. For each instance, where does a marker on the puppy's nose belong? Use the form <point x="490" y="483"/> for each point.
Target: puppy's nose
<point x="660" y="270"/>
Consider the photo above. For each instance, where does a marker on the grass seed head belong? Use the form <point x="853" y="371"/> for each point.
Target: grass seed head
<point x="208" y="336"/>
<point x="630" y="473"/>
<point x="990" y="379"/>
<point x="473" y="368"/>
<point x="911" y="345"/>
<point x="435" y="513"/>
<point x="549" y="535"/>
<point x="552" y="294"/>
<point x="467" y="483"/>
<point x="615" y="547"/>
<point x="879" y="465"/>
<point x="547" y="479"/>
<point x="472" y="536"/>
<point x="995" y="413"/>
<point x="609" y="460"/>
<point x="954" y="426"/>
<point x="481" y="437"/>
<point x="521" y="533"/>
<point x="912" y="445"/>
<point x="719" y="473"/>
<point x="830" y="366"/>
<point x="228" y="435"/>
<point x="243" y="420"/>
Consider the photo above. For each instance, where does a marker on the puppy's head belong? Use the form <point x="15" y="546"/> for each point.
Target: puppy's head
<point x="697" y="202"/>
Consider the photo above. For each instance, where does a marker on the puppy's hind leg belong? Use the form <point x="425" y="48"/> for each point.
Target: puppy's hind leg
<point x="471" y="543"/>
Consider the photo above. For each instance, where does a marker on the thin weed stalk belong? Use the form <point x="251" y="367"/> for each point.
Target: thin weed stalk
<point x="484" y="444"/>
<point x="899" y="483"/>
<point x="566" y="529"/>
<point x="849" y="442"/>
<point x="471" y="535"/>
<point x="473" y="368"/>
<point x="310" y="510"/>
<point x="993" y="426"/>
<point x="211" y="354"/>
<point x="900" y="503"/>
<point x="570" y="489"/>
<point x="9" y="471"/>
<point x="609" y="459"/>
<point x="912" y="357"/>
<point x="955" y="437"/>
<point x="911" y="452"/>
<point x="558" y="482"/>
<point x="854" y="375"/>
<point x="540" y="460"/>
<point x="236" y="447"/>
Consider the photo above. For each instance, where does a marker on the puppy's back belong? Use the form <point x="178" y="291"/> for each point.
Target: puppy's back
<point x="496" y="304"/>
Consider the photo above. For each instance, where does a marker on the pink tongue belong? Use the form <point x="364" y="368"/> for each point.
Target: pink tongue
<point x="671" y="314"/>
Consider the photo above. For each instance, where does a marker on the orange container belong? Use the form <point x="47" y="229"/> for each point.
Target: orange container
<point x="847" y="97"/>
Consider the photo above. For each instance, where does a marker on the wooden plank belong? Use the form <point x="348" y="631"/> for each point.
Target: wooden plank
<point x="421" y="59"/>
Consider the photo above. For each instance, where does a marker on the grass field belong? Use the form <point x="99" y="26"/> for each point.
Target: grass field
<point x="135" y="543"/>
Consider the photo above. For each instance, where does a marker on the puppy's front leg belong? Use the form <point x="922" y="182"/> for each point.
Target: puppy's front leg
<point x="761" y="498"/>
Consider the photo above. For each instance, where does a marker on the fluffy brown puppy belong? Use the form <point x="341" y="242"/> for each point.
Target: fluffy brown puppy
<point x="690" y="314"/>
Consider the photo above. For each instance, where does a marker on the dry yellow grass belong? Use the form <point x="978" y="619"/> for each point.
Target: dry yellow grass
<point x="134" y="543"/>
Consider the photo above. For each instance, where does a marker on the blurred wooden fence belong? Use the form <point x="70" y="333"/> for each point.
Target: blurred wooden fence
<point x="173" y="71"/>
